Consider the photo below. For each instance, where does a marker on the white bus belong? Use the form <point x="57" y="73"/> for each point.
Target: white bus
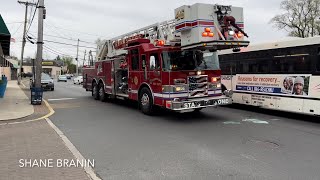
<point x="283" y="75"/>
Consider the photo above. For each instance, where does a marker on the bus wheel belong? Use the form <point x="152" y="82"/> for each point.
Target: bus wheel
<point x="102" y="94"/>
<point x="95" y="91"/>
<point x="146" y="101"/>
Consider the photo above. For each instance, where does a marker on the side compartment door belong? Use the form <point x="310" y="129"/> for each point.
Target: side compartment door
<point x="154" y="76"/>
<point x="144" y="67"/>
<point x="134" y="73"/>
<point x="108" y="76"/>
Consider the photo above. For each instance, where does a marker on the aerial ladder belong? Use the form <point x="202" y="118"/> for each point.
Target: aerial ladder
<point x="224" y="30"/>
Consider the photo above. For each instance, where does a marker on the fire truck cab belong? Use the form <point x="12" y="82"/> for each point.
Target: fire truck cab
<point x="173" y="64"/>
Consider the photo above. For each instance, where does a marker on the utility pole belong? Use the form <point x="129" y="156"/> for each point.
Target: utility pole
<point x="90" y="58"/>
<point x="84" y="57"/>
<point x="27" y="4"/>
<point x="39" y="44"/>
<point x="77" y="59"/>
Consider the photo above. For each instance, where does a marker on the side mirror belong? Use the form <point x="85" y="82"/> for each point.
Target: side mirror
<point x="152" y="62"/>
<point x="143" y="64"/>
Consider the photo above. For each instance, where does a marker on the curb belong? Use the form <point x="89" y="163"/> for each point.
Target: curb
<point x="51" y="112"/>
<point x="89" y="171"/>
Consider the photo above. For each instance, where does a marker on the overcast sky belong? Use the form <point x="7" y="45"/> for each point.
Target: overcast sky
<point x="89" y="20"/>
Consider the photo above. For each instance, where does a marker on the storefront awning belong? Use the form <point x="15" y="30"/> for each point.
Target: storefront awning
<point x="14" y="63"/>
<point x="5" y="37"/>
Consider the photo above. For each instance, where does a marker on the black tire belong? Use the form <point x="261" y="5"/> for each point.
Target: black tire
<point x="52" y="89"/>
<point x="146" y="101"/>
<point x="102" y="94"/>
<point x="95" y="91"/>
<point x="198" y="110"/>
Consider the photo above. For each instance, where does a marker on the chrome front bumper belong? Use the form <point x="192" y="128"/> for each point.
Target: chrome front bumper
<point x="191" y="104"/>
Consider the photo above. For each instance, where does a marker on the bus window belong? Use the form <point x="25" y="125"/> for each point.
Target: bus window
<point x="302" y="64"/>
<point x="228" y="68"/>
<point x="318" y="60"/>
<point x="291" y="64"/>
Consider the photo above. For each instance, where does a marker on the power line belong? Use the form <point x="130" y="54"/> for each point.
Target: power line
<point x="50" y="41"/>
<point x="15" y="22"/>
<point x="34" y="13"/>
<point x="17" y="29"/>
<point x="56" y="52"/>
<point x="57" y="31"/>
<point x="44" y="45"/>
<point x="64" y="36"/>
<point x="74" y="31"/>
<point x="67" y="44"/>
<point x="53" y="49"/>
<point x="70" y="39"/>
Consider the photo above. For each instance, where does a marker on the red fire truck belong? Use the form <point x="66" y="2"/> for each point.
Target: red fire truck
<point x="173" y="64"/>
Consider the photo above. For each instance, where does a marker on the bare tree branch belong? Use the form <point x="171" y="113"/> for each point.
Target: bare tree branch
<point x="300" y="18"/>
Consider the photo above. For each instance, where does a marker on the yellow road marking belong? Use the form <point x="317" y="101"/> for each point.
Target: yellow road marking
<point x="51" y="112"/>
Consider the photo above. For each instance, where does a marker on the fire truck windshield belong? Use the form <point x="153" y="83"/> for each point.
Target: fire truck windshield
<point x="190" y="60"/>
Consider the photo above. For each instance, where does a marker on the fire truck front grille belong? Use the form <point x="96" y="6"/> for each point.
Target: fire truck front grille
<point x="198" y="86"/>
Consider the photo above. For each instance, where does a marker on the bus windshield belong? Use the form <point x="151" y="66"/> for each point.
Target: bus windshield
<point x="190" y="60"/>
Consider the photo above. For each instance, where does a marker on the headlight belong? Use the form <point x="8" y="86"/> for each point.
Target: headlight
<point x="231" y="33"/>
<point x="174" y="88"/>
<point x="219" y="85"/>
<point x="179" y="88"/>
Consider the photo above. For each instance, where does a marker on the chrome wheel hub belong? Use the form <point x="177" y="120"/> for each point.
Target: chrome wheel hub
<point x="101" y="92"/>
<point x="94" y="90"/>
<point x="145" y="99"/>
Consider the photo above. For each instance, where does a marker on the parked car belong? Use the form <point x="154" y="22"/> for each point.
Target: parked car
<point x="78" y="80"/>
<point x="68" y="76"/>
<point x="28" y="74"/>
<point x="62" y="78"/>
<point x="46" y="82"/>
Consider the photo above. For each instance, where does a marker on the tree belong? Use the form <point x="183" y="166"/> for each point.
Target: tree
<point x="68" y="61"/>
<point x="58" y="58"/>
<point x="301" y="18"/>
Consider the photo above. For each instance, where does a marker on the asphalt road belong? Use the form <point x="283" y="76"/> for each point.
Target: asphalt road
<point x="219" y="143"/>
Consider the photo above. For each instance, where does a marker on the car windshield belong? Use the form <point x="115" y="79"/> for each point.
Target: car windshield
<point x="190" y="60"/>
<point x="62" y="76"/>
<point x="45" y="76"/>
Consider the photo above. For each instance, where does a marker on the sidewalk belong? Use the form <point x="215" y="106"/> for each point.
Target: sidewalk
<point x="26" y="140"/>
<point x="35" y="141"/>
<point x="15" y="103"/>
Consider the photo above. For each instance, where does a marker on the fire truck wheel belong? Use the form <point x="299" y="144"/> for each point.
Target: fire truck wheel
<point x="102" y="94"/>
<point x="95" y="91"/>
<point x="146" y="101"/>
<point x="198" y="110"/>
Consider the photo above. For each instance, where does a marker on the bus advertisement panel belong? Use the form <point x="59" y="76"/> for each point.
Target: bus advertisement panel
<point x="289" y="85"/>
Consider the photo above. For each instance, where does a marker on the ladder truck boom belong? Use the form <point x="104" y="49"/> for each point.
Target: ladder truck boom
<point x="223" y="30"/>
